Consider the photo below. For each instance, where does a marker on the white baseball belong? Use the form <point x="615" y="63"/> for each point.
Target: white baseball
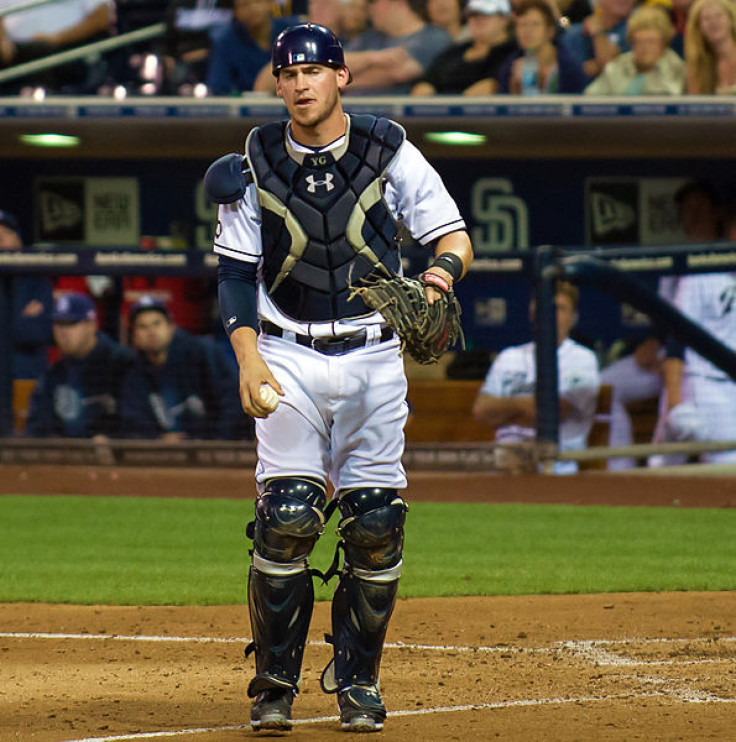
<point x="269" y="397"/>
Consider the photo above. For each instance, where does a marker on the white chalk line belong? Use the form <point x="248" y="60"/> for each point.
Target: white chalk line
<point x="403" y="712"/>
<point x="591" y="648"/>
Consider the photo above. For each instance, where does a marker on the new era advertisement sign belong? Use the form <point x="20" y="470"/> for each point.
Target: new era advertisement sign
<point x="91" y="211"/>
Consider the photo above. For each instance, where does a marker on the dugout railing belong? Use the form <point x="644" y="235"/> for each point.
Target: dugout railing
<point x="617" y="271"/>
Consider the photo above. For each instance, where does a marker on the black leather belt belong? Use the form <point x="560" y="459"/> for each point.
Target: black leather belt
<point x="327" y="346"/>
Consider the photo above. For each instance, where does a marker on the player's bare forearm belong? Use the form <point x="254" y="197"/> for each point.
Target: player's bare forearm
<point x="672" y="372"/>
<point x="254" y="371"/>
<point x="498" y="411"/>
<point x="458" y="243"/>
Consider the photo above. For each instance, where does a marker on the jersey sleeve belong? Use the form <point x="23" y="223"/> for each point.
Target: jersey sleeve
<point x="238" y="232"/>
<point x="416" y="196"/>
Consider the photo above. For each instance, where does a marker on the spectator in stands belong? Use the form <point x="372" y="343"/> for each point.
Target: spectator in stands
<point x="326" y="13"/>
<point x="506" y="401"/>
<point x="635" y="376"/>
<point x="397" y="51"/>
<point x="79" y="395"/>
<point x="651" y="67"/>
<point x="471" y="68"/>
<point x="353" y="19"/>
<point x="710" y="48"/>
<point x="540" y="65"/>
<point x="191" y="26"/>
<point x="600" y="37"/>
<point x="180" y="385"/>
<point x="31" y="302"/>
<point x="26" y="35"/>
<point x="240" y="52"/>
<point x="450" y="15"/>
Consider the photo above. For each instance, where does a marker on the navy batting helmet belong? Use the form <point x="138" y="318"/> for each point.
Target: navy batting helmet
<point x="304" y="44"/>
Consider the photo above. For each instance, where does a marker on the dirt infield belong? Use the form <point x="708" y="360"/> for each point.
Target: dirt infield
<point x="601" y="667"/>
<point x="598" y="667"/>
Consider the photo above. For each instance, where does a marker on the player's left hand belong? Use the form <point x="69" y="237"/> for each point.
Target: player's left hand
<point x="444" y="280"/>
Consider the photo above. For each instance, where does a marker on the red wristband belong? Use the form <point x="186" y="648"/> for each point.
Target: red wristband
<point x="437" y="280"/>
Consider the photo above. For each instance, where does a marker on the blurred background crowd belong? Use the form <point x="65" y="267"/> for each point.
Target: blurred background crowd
<point x="420" y="47"/>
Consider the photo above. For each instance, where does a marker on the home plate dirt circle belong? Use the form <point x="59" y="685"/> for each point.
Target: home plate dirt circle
<point x="621" y="666"/>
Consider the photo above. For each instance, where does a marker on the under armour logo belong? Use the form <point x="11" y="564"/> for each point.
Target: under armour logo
<point x="327" y="183"/>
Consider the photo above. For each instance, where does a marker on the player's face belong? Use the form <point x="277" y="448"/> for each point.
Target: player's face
<point x="311" y="93"/>
<point x="152" y="332"/>
<point x="9" y="240"/>
<point x="566" y="316"/>
<point x="75" y="339"/>
<point x="699" y="218"/>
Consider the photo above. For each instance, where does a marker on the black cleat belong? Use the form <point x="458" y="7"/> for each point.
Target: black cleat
<point x="272" y="710"/>
<point x="361" y="709"/>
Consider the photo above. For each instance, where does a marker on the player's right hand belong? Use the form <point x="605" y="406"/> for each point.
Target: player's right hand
<point x="252" y="375"/>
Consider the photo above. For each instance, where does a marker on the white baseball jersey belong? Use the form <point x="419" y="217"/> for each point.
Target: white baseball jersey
<point x="710" y="300"/>
<point x="342" y="416"/>
<point x="514" y="374"/>
<point x="629" y="383"/>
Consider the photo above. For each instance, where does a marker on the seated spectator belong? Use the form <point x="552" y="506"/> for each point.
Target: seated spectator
<point x="600" y="37"/>
<point x="31" y="302"/>
<point x="327" y="13"/>
<point x="191" y="26"/>
<point x="449" y="14"/>
<point x="539" y="65"/>
<point x="471" y="68"/>
<point x="353" y="19"/>
<point x="710" y="48"/>
<point x="396" y="52"/>
<point x="29" y="34"/>
<point x="507" y="403"/>
<point x="79" y="395"/>
<point x="651" y="67"/>
<point x="240" y="52"/>
<point x="633" y="377"/>
<point x="180" y="385"/>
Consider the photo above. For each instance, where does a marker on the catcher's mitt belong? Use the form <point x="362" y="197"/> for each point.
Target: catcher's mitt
<point x="426" y="331"/>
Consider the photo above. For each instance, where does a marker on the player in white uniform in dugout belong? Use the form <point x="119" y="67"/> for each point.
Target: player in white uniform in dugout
<point x="310" y="212"/>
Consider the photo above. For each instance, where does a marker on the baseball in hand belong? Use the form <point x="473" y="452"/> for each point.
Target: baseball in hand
<point x="269" y="398"/>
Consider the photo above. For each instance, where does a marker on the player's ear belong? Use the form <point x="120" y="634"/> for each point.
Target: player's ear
<point x="278" y="87"/>
<point x="343" y="77"/>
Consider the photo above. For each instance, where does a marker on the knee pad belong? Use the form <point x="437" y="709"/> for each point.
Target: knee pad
<point x="372" y="528"/>
<point x="289" y="520"/>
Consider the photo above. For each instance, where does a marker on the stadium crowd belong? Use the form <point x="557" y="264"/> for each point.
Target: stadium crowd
<point x="422" y="47"/>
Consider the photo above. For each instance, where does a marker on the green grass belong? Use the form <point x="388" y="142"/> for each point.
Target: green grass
<point x="148" y="551"/>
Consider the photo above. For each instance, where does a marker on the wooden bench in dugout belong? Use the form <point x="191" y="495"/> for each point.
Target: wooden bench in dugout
<point x="441" y="412"/>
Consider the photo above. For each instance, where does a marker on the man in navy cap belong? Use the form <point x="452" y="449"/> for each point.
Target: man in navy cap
<point x="181" y="385"/>
<point x="31" y="309"/>
<point x="79" y="395"/>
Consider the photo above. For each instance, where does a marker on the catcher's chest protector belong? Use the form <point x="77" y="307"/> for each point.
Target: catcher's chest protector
<point x="325" y="224"/>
